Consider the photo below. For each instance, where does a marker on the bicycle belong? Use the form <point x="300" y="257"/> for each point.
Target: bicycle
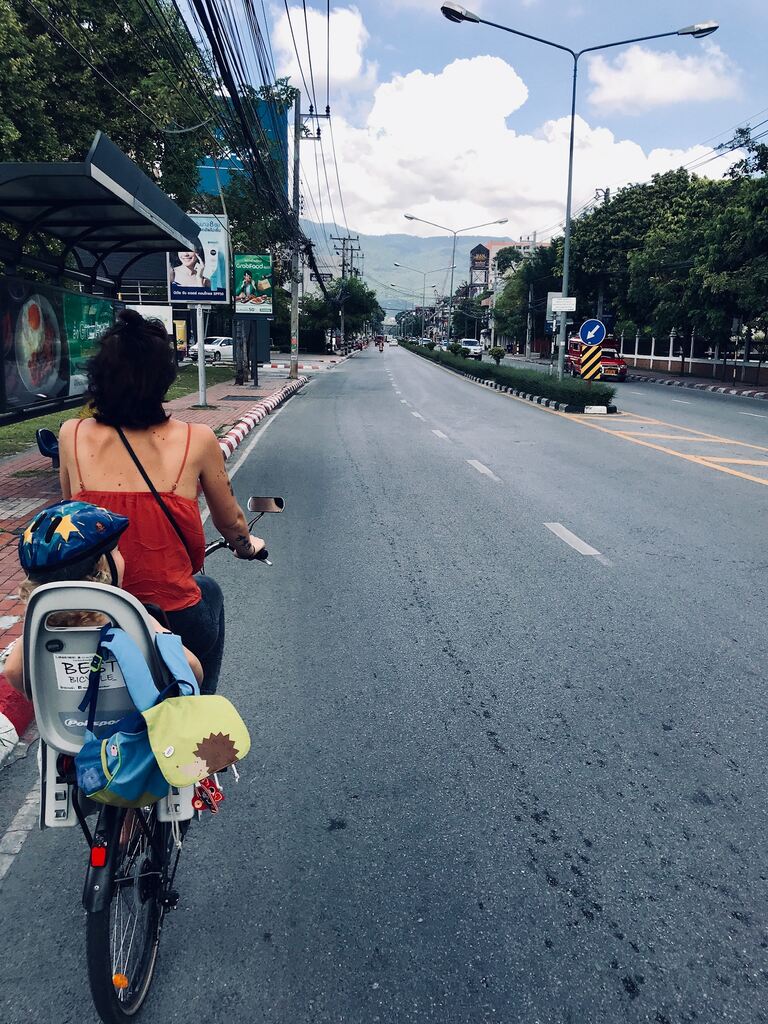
<point x="134" y="855"/>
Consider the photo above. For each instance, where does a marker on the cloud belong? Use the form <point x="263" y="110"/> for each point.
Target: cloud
<point x="639" y="79"/>
<point x="440" y="146"/>
<point x="349" y="69"/>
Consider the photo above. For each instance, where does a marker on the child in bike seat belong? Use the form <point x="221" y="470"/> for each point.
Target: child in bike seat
<point x="73" y="541"/>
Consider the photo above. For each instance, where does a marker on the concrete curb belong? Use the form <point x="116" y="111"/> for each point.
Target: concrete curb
<point x="236" y="434"/>
<point x="714" y="388"/>
<point x="16" y="712"/>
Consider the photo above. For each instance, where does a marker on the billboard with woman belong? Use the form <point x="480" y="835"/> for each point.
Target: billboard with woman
<point x="202" y="276"/>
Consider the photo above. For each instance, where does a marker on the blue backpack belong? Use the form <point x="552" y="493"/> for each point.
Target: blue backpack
<point x="121" y="769"/>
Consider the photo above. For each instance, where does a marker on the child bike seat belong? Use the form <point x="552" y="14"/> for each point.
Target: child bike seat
<point x="57" y="658"/>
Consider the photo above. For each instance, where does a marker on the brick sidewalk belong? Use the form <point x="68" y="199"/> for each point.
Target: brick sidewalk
<point x="28" y="484"/>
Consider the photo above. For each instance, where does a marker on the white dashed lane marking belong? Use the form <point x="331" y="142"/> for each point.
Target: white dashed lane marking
<point x="482" y="469"/>
<point x="576" y="542"/>
<point x="417" y="415"/>
<point x="439" y="433"/>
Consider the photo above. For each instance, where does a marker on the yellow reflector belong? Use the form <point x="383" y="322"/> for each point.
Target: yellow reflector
<point x="119" y="981"/>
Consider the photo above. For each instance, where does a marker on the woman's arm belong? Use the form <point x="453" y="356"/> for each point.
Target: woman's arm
<point x="226" y="514"/>
<point x="194" y="661"/>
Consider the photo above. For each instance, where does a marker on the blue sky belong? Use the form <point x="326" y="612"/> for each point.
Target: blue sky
<point x="464" y="123"/>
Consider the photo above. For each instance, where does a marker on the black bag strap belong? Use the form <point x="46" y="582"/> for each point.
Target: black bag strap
<point x="91" y="698"/>
<point x="155" y="494"/>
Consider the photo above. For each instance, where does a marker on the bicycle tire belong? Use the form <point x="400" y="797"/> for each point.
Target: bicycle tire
<point x="137" y="882"/>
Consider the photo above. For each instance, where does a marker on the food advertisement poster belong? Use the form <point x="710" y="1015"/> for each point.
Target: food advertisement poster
<point x="253" y="283"/>
<point x="46" y="337"/>
<point x="202" y="277"/>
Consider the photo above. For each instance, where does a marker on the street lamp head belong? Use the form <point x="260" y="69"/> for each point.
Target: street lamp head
<point x="699" y="30"/>
<point x="453" y="12"/>
<point x="409" y="216"/>
<point x="502" y="221"/>
<point x="396" y="264"/>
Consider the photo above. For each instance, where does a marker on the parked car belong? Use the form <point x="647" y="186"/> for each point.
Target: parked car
<point x="218" y="348"/>
<point x="613" y="368"/>
<point x="474" y="346"/>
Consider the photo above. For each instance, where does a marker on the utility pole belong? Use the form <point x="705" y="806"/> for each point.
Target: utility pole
<point x="300" y="133"/>
<point x="606" y="194"/>
<point x="346" y="242"/>
<point x="297" y="133"/>
<point x="529" y="324"/>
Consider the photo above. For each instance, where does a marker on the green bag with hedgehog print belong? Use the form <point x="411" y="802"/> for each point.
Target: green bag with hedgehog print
<point x="191" y="736"/>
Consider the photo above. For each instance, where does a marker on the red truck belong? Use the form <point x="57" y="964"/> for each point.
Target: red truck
<point x="614" y="367"/>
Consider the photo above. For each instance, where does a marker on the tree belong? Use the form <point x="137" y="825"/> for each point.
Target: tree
<point x="360" y="305"/>
<point x="53" y="102"/>
<point x="539" y="270"/>
<point x="469" y="315"/>
<point x="506" y="258"/>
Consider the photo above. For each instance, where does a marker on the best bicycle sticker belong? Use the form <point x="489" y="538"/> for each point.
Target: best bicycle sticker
<point x="72" y="672"/>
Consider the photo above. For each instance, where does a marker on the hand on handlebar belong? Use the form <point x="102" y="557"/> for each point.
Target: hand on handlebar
<point x="251" y="550"/>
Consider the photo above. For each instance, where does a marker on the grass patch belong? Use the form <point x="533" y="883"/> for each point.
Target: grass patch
<point x="186" y="382"/>
<point x="18" y="437"/>
<point x="569" y="391"/>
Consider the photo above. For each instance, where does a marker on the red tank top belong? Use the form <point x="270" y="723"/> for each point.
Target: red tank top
<point x="158" y="569"/>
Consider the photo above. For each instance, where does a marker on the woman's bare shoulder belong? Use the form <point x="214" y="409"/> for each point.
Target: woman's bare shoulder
<point x="201" y="435"/>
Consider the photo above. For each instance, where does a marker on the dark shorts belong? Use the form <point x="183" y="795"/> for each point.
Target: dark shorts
<point x="201" y="629"/>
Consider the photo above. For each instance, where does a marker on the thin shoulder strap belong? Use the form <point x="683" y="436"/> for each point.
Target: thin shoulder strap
<point x="155" y="495"/>
<point x="184" y="460"/>
<point x="77" y="457"/>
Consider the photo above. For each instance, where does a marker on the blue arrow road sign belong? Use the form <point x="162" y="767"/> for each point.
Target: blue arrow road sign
<point x="592" y="332"/>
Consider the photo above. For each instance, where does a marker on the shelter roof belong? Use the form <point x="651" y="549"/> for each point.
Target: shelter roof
<point x="103" y="206"/>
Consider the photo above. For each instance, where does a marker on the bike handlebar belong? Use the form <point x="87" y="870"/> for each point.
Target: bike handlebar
<point x="261" y="556"/>
<point x="260" y="505"/>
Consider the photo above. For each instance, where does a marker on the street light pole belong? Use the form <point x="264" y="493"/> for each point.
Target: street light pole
<point x="454" y="12"/>
<point x="423" y="273"/>
<point x="458" y="231"/>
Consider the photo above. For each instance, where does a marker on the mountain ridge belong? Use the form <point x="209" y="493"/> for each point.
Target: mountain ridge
<point x="429" y="252"/>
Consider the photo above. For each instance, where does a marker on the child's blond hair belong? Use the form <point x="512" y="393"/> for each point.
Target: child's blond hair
<point x="100" y="573"/>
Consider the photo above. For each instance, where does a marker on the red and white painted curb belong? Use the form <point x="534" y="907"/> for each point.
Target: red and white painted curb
<point x="236" y="434"/>
<point x="16" y="713"/>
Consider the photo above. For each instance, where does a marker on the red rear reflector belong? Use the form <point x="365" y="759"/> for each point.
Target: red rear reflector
<point x="98" y="856"/>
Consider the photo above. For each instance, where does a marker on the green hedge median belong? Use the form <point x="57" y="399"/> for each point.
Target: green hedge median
<point x="568" y="391"/>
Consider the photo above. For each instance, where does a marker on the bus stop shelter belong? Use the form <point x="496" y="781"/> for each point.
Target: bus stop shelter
<point x="82" y="223"/>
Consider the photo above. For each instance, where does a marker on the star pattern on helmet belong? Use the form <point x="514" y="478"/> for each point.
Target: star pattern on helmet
<point x="66" y="528"/>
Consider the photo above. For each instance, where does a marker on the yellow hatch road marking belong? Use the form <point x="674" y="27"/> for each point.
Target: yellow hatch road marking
<point x="631" y="436"/>
<point x="740" y="462"/>
<point x="675" y="437"/>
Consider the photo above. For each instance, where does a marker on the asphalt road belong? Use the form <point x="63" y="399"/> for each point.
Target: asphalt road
<point x="493" y="778"/>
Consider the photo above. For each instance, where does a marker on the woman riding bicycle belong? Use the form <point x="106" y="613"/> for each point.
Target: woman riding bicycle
<point x="138" y="461"/>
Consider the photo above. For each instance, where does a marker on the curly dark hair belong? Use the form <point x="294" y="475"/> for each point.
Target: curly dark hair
<point x="131" y="372"/>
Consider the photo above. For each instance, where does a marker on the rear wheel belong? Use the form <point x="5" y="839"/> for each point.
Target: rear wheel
<point x="122" y="940"/>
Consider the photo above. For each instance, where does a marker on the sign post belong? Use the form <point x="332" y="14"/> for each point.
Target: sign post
<point x="592" y="334"/>
<point x="202" y="391"/>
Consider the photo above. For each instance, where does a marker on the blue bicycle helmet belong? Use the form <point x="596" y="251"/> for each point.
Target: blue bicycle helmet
<point x="65" y="540"/>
